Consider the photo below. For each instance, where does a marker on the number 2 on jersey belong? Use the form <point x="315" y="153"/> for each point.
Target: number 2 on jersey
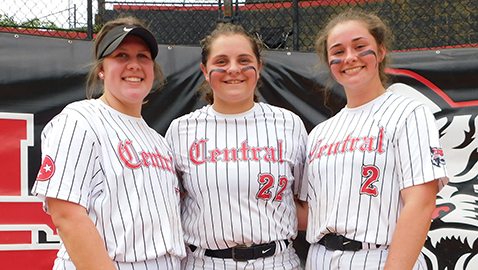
<point x="370" y="173"/>
<point x="267" y="182"/>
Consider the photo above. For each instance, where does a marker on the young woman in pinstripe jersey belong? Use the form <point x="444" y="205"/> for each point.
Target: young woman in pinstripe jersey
<point x="373" y="169"/>
<point x="240" y="162"/>
<point x="107" y="178"/>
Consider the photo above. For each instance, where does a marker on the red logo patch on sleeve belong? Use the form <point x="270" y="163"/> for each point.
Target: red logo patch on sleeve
<point x="47" y="169"/>
<point x="437" y="156"/>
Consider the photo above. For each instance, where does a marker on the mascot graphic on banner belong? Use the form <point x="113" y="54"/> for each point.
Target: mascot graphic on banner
<point x="452" y="242"/>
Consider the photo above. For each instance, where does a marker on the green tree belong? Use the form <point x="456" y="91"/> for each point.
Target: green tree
<point x="7" y="21"/>
<point x="36" y="23"/>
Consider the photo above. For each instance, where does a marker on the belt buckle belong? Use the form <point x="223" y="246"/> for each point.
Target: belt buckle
<point x="348" y="242"/>
<point x="334" y="241"/>
<point x="234" y="253"/>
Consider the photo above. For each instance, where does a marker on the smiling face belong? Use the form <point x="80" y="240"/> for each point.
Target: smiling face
<point x="232" y="70"/>
<point x="354" y="56"/>
<point x="128" y="75"/>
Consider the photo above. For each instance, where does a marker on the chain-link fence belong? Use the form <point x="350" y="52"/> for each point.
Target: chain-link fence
<point x="283" y="25"/>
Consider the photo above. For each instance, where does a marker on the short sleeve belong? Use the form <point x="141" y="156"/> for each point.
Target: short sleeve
<point x="169" y="133"/>
<point x="68" y="160"/>
<point x="300" y="157"/>
<point x="420" y="155"/>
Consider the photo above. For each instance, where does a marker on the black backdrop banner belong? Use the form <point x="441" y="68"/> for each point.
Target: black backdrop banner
<point x="40" y="75"/>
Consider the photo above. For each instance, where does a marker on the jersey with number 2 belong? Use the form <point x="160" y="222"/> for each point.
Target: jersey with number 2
<point x="360" y="159"/>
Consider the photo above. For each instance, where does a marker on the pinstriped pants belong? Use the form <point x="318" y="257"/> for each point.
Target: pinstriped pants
<point x="166" y="262"/>
<point x="319" y="258"/>
<point x="284" y="259"/>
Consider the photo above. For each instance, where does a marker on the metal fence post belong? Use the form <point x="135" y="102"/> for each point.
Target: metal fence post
<point x="228" y="10"/>
<point x="295" y="22"/>
<point x="100" y="19"/>
<point x="90" y="19"/>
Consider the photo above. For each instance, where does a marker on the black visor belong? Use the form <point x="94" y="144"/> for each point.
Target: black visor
<point x="114" y="38"/>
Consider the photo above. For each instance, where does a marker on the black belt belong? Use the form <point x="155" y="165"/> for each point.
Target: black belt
<point x="340" y="242"/>
<point x="241" y="252"/>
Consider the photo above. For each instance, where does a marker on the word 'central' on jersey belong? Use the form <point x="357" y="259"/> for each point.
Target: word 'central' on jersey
<point x="199" y="155"/>
<point x="348" y="145"/>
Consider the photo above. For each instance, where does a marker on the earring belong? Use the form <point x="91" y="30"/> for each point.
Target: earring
<point x="101" y="75"/>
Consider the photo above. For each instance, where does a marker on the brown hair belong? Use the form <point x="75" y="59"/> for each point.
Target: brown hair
<point x="92" y="84"/>
<point x="377" y="28"/>
<point x="206" y="44"/>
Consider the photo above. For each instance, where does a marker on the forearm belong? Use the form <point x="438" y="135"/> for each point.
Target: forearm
<point x="302" y="213"/>
<point x="411" y="230"/>
<point x="81" y="238"/>
<point x="408" y="239"/>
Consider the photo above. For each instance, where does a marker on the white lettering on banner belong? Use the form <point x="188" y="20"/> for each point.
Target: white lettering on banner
<point x="35" y="230"/>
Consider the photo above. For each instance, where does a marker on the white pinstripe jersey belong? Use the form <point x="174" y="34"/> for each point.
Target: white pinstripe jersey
<point x="121" y="171"/>
<point x="360" y="159"/>
<point x="240" y="172"/>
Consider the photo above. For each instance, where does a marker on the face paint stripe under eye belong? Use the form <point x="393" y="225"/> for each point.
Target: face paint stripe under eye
<point x="224" y="71"/>
<point x="335" y="61"/>
<point x="244" y="69"/>
<point x="216" y="70"/>
<point x="367" y="52"/>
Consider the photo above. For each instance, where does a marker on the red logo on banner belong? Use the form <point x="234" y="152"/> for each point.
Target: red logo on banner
<point x="47" y="169"/>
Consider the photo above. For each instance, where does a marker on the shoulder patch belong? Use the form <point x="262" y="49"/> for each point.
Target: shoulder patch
<point x="47" y="169"/>
<point x="437" y="156"/>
